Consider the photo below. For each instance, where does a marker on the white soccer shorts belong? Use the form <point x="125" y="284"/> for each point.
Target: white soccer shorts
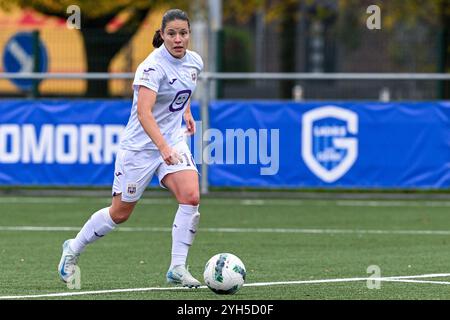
<point x="135" y="169"/>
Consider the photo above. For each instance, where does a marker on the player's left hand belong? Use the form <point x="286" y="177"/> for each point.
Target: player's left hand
<point x="190" y="124"/>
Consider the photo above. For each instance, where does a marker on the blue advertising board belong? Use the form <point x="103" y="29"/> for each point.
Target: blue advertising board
<point x="267" y="144"/>
<point x="339" y="144"/>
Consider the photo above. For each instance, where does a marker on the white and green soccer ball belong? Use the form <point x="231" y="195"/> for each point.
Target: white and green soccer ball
<point x="224" y="273"/>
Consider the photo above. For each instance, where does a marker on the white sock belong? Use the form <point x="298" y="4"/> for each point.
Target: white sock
<point x="96" y="227"/>
<point x="182" y="237"/>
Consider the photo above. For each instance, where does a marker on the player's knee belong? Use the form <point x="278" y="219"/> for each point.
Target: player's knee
<point x="118" y="219"/>
<point x="120" y="216"/>
<point x="192" y="198"/>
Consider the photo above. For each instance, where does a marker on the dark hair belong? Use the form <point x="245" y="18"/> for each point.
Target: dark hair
<point x="172" y="14"/>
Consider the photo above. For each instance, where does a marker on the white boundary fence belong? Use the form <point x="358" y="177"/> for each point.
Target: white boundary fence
<point x="207" y="77"/>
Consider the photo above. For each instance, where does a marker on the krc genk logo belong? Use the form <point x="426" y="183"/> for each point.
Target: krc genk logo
<point x="329" y="141"/>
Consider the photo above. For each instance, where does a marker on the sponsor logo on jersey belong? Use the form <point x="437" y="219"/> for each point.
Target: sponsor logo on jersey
<point x="180" y="100"/>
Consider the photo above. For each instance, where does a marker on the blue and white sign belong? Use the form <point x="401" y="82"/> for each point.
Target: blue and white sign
<point x="18" y="56"/>
<point x="266" y="144"/>
<point x="327" y="149"/>
<point x="329" y="145"/>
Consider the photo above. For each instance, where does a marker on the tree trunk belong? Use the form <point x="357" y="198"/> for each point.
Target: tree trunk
<point x="288" y="37"/>
<point x="445" y="50"/>
<point x="100" y="49"/>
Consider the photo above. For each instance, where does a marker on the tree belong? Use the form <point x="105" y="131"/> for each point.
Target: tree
<point x="100" y="45"/>
<point x="435" y="14"/>
<point x="288" y="14"/>
<point x="352" y="17"/>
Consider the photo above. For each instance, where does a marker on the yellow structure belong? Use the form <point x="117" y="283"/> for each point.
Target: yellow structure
<point x="66" y="52"/>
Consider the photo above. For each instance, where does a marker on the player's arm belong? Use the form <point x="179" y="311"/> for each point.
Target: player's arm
<point x="189" y="119"/>
<point x="145" y="103"/>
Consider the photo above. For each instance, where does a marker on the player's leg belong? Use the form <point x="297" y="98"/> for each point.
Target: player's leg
<point x="184" y="185"/>
<point x="182" y="181"/>
<point x="125" y="196"/>
<point x="100" y="224"/>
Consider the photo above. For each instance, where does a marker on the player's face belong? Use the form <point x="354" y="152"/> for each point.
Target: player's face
<point x="176" y="37"/>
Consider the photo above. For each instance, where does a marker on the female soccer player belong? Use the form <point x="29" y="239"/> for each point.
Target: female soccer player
<point x="152" y="144"/>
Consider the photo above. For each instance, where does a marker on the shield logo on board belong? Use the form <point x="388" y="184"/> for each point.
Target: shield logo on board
<point x="329" y="144"/>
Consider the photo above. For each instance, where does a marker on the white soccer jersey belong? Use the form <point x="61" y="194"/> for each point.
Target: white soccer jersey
<point x="174" y="80"/>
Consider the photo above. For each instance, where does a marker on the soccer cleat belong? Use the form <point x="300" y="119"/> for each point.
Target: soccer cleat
<point x="180" y="275"/>
<point x="69" y="260"/>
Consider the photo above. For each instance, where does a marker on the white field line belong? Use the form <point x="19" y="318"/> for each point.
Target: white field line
<point x="408" y="279"/>
<point x="245" y="202"/>
<point x="391" y="203"/>
<point x="82" y="293"/>
<point x="237" y="230"/>
<point x="417" y="281"/>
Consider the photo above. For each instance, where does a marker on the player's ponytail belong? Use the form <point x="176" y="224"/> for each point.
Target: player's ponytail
<point x="157" y="39"/>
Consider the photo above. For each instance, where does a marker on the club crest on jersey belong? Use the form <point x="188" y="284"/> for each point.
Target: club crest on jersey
<point x="329" y="142"/>
<point x="194" y="75"/>
<point x="131" y="188"/>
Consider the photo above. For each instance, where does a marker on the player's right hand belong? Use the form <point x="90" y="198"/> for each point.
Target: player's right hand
<point x="170" y="156"/>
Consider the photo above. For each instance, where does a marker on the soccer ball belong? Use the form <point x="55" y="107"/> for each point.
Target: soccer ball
<point x="224" y="273"/>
